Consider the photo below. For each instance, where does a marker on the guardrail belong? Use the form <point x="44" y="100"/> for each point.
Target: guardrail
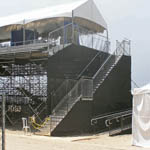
<point x="73" y="33"/>
<point x="116" y="122"/>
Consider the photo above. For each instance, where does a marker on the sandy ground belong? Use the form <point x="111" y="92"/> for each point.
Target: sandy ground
<point x="16" y="140"/>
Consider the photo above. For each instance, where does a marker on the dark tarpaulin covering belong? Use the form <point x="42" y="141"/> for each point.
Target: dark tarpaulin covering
<point x="17" y="37"/>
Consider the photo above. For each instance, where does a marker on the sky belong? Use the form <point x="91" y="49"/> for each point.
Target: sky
<point x="125" y="18"/>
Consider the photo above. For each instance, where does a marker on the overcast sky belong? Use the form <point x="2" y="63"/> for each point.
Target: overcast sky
<point x="125" y="18"/>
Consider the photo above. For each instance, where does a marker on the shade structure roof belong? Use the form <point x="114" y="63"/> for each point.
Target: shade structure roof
<point x="85" y="13"/>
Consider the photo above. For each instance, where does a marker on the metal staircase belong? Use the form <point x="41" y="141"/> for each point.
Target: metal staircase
<point x="79" y="91"/>
<point x="84" y="88"/>
<point x="65" y="105"/>
<point x="107" y="66"/>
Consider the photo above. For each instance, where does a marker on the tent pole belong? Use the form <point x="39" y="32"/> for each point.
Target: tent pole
<point x="72" y="26"/>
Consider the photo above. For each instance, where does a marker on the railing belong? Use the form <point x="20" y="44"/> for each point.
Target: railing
<point x="78" y="35"/>
<point x="107" y="44"/>
<point x="108" y="65"/>
<point x="65" y="105"/>
<point x="58" y="39"/>
<point x="87" y="84"/>
<point x="82" y="89"/>
<point x="126" y="46"/>
<point x="87" y="38"/>
<point x="109" y="115"/>
<point x="22" y="43"/>
<point x="28" y="46"/>
<point x="63" y="89"/>
<point x="87" y="89"/>
<point x="118" y="123"/>
<point x="79" y="89"/>
<point x="69" y="97"/>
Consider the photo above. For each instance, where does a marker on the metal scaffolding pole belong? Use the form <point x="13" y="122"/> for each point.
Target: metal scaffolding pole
<point x="3" y="122"/>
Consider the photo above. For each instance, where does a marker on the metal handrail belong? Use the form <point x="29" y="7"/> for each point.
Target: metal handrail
<point x="63" y="99"/>
<point x="79" y="30"/>
<point x="23" y="48"/>
<point x="24" y="43"/>
<point x="90" y="62"/>
<point x="29" y="45"/>
<point x="106" y="61"/>
<point x="62" y="27"/>
<point x="113" y="114"/>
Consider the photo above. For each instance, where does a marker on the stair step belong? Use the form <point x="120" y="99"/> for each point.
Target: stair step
<point x="59" y="115"/>
<point x="67" y="105"/>
<point x="52" y="127"/>
<point x="45" y="130"/>
<point x="55" y="117"/>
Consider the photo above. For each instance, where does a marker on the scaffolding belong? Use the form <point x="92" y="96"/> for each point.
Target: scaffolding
<point x="25" y="87"/>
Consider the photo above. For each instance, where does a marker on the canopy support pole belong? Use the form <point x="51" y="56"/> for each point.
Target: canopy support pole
<point x="72" y="26"/>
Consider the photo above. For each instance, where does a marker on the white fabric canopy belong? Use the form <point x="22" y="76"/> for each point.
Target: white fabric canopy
<point x="85" y="12"/>
<point x="141" y="116"/>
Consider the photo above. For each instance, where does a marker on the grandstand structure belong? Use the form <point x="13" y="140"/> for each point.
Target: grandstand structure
<point x="57" y="68"/>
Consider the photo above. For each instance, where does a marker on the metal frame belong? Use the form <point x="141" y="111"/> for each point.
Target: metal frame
<point x="25" y="85"/>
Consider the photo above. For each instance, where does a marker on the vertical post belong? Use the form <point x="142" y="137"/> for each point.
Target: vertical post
<point x="34" y="36"/>
<point x="3" y="122"/>
<point x="129" y="47"/>
<point x="124" y="46"/>
<point x="51" y="101"/>
<point x="92" y="40"/>
<point x="117" y="47"/>
<point x="107" y="40"/>
<point x="24" y="34"/>
<point x="121" y="124"/>
<point x="63" y="35"/>
<point x="72" y="26"/>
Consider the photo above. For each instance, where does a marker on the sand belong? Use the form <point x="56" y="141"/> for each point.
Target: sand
<point x="17" y="140"/>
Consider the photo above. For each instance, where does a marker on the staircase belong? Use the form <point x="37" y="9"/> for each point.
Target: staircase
<point x="78" y="92"/>
<point x="107" y="67"/>
<point x="83" y="88"/>
<point x="64" y="106"/>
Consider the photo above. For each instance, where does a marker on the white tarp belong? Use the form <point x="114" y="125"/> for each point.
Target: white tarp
<point x="43" y="13"/>
<point x="85" y="12"/>
<point x="141" y="116"/>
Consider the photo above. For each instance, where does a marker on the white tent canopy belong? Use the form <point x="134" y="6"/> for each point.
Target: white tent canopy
<point x="141" y="116"/>
<point x="85" y="13"/>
